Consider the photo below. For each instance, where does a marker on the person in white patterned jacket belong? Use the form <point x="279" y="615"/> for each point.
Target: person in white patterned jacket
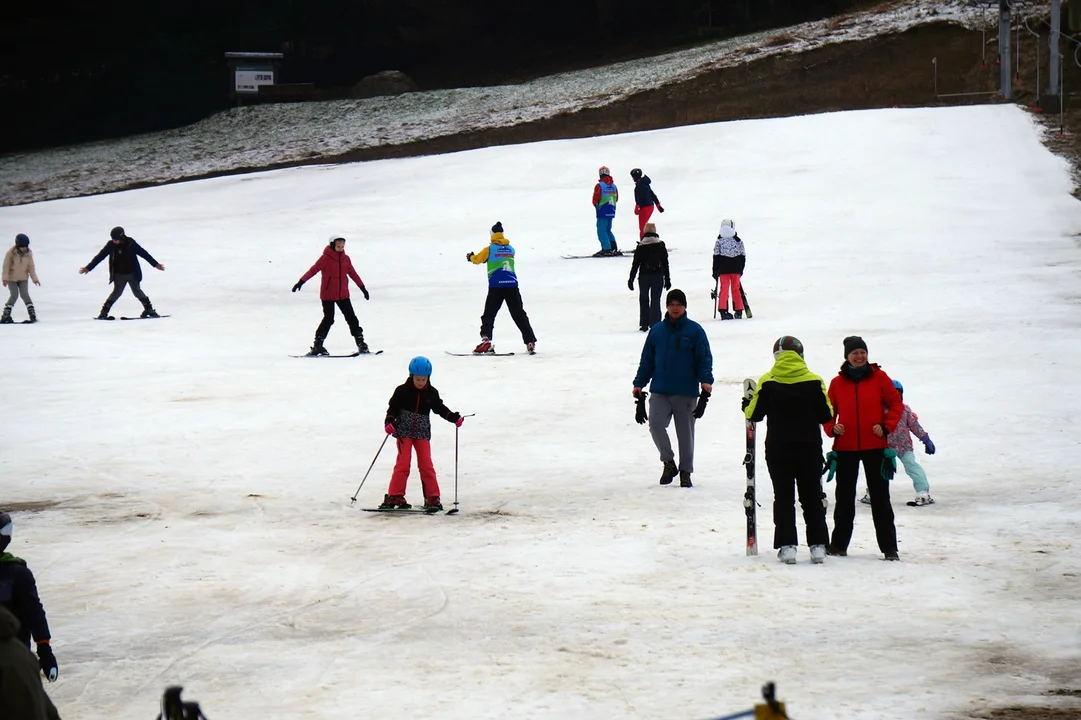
<point x="901" y="443"/>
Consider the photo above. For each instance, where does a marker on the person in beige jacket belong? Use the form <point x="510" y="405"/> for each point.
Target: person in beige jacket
<point x="18" y="271"/>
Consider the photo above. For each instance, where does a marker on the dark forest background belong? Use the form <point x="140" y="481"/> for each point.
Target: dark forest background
<point x="73" y="72"/>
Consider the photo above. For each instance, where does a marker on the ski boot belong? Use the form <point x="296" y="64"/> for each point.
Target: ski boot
<point x="394" y="502"/>
<point x="33" y="315"/>
<point x="432" y="504"/>
<point x="5" y="319"/>
<point x="362" y="347"/>
<point x="531" y="348"/>
<point x="148" y="310"/>
<point x="685" y="479"/>
<point x="104" y="314"/>
<point x="739" y="314"/>
<point x="923" y="498"/>
<point x="787" y="554"/>
<point x="485" y="346"/>
<point x="818" y="554"/>
<point x="602" y="253"/>
<point x="669" y="472"/>
<point x="317" y="347"/>
<point x="725" y="315"/>
<point x="615" y="251"/>
<point x="866" y="499"/>
<point x="892" y="556"/>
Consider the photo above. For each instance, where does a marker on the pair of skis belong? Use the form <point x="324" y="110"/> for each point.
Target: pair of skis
<point x="742" y="295"/>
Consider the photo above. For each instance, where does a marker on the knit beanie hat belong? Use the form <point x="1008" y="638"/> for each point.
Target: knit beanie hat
<point x="22" y="241"/>
<point x="854" y="342"/>
<point x="117" y="233"/>
<point x="497" y="228"/>
<point x="676" y="296"/>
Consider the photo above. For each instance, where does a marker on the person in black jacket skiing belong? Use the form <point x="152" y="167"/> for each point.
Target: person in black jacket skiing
<point x="19" y="594"/>
<point x="644" y="200"/>
<point x="651" y="265"/>
<point x="124" y="269"/>
<point x="795" y="401"/>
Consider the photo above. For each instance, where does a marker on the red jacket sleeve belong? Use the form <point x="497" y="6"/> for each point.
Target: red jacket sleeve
<point x="318" y="266"/>
<point x="353" y="274"/>
<point x="596" y="194"/>
<point x="828" y="426"/>
<point x="895" y="407"/>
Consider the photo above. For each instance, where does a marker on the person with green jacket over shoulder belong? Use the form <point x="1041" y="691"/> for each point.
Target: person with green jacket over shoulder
<point x="21" y="693"/>
<point x="795" y="404"/>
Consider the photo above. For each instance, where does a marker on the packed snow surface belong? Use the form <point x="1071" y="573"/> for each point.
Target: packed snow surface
<point x="182" y="486"/>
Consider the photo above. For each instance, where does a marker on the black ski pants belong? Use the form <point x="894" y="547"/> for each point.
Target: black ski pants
<point x="496" y="297"/>
<point x="346" y="306"/>
<point x="844" y="511"/>
<point x="650" y="287"/>
<point x="119" y="283"/>
<point x="797" y="467"/>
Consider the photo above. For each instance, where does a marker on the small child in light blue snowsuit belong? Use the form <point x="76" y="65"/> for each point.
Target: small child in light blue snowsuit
<point x="901" y="443"/>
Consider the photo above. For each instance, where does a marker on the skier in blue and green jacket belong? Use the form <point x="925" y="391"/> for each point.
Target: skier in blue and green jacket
<point x="502" y="287"/>
<point x="605" y="197"/>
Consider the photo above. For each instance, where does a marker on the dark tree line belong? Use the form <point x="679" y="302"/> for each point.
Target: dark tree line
<point x="73" y="72"/>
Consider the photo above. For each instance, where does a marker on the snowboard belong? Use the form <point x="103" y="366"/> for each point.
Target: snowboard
<point x="143" y="318"/>
<point x="624" y="253"/>
<point x="412" y="511"/>
<point x="356" y="354"/>
<point x="470" y="354"/>
<point x="748" y="460"/>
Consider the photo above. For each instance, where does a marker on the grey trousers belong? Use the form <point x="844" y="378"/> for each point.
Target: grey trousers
<point x="119" y="283"/>
<point x="21" y="287"/>
<point x="662" y="408"/>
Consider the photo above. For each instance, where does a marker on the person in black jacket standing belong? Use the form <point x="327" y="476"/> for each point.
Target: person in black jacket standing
<point x="650" y="263"/>
<point x="124" y="269"/>
<point x="19" y="594"/>
<point x="795" y="401"/>
<point x="644" y="200"/>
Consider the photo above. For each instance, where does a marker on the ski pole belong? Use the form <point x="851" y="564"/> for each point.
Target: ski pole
<point x="354" y="498"/>
<point x="454" y="510"/>
<point x="716" y="292"/>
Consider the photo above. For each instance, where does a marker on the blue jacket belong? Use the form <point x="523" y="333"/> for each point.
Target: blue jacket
<point x="676" y="357"/>
<point x="131" y="251"/>
<point x="19" y="594"/>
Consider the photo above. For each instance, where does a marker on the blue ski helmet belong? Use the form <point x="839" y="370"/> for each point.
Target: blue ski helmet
<point x="420" y="365"/>
<point x="22" y="241"/>
<point x="897" y="384"/>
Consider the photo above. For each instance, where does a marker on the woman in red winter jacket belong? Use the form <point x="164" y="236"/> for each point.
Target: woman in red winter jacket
<point x="867" y="408"/>
<point x="336" y="268"/>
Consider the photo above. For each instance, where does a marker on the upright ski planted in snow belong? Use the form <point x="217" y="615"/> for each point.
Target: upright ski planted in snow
<point x="749" y="502"/>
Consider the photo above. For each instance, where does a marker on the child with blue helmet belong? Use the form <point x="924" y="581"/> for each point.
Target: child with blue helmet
<point x="409" y="422"/>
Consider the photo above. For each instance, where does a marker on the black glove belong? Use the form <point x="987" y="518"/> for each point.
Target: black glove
<point x="47" y="661"/>
<point x="659" y="207"/>
<point x="700" y="410"/>
<point x="713" y="293"/>
<point x="298" y="286"/>
<point x="744" y="403"/>
<point x="667" y="284"/>
<point x="640" y="415"/>
<point x="364" y="291"/>
<point x="469" y="256"/>
<point x="630" y="284"/>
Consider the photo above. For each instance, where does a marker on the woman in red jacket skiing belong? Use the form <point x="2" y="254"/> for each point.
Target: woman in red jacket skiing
<point x="336" y="268"/>
<point x="867" y="408"/>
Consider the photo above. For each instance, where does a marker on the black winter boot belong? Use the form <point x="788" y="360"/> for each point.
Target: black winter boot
<point x="684" y="479"/>
<point x="670" y="471"/>
<point x="725" y="315"/>
<point x="104" y="314"/>
<point x="362" y="347"/>
<point x="395" y="502"/>
<point x="739" y="314"/>
<point x="148" y="310"/>
<point x="33" y="315"/>
<point x="317" y="347"/>
<point x="5" y="319"/>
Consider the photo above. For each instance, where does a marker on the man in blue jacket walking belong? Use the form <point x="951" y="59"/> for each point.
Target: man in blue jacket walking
<point x="676" y="357"/>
